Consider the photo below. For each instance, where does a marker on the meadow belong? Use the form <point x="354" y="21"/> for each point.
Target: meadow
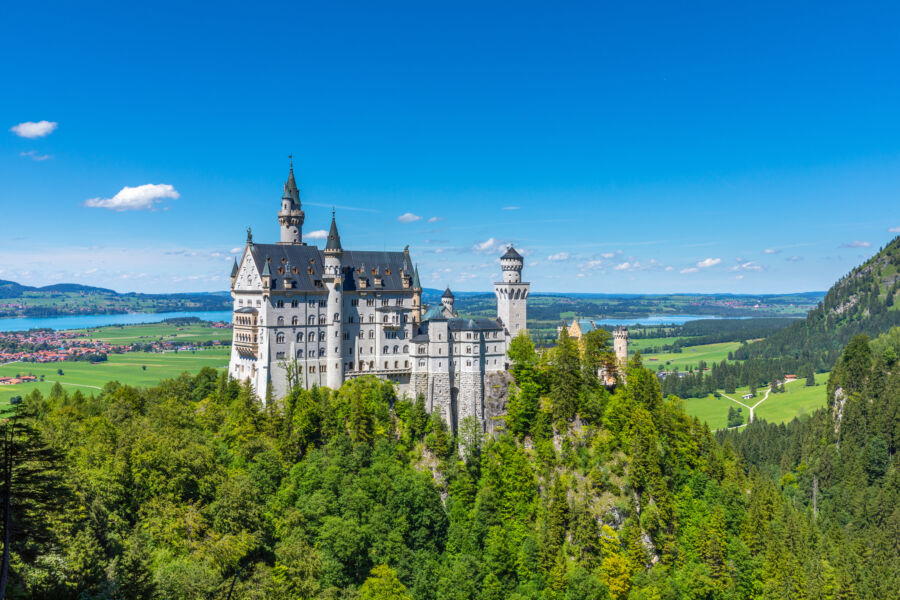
<point x="126" y="368"/>
<point x="797" y="400"/>
<point x="153" y="332"/>
<point x="689" y="356"/>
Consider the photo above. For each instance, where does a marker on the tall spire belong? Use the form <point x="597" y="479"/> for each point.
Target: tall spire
<point x="416" y="284"/>
<point x="334" y="239"/>
<point x="291" y="216"/>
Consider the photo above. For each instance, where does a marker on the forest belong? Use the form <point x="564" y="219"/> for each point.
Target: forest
<point x="196" y="489"/>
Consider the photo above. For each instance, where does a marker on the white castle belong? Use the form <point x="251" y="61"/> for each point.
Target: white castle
<point x="309" y="317"/>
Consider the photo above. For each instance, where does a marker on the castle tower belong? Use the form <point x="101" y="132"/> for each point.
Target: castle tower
<point x="291" y="216"/>
<point x="334" y="282"/>
<point x="512" y="293"/>
<point x="620" y="346"/>
<point x="447" y="301"/>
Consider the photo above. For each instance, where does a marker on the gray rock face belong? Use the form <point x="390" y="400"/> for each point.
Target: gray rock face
<point x="496" y="395"/>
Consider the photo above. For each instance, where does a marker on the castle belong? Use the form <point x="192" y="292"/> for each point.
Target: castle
<point x="580" y="327"/>
<point x="309" y="317"/>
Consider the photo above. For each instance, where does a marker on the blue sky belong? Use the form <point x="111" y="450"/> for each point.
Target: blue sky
<point x="642" y="148"/>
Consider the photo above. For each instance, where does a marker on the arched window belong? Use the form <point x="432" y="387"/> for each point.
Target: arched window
<point x="321" y="351"/>
<point x="294" y="304"/>
<point x="281" y="320"/>
<point x="279" y="339"/>
<point x="396" y="364"/>
<point x="337" y="317"/>
<point x="371" y="335"/>
<point x="421" y="349"/>
<point x="321" y="319"/>
<point x="312" y="353"/>
<point x="406" y="364"/>
<point x="295" y="320"/>
<point x="300" y="337"/>
<point x="299" y="353"/>
<point x="385" y="350"/>
<point x="385" y="364"/>
<point x="421" y="362"/>
<point x="384" y="319"/>
<point x="321" y="336"/>
<point x="405" y="349"/>
<point x="311" y="320"/>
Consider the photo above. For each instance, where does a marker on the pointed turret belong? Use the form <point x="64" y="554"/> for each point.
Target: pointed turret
<point x="334" y="239"/>
<point x="416" y="284"/>
<point x="291" y="216"/>
<point x="234" y="269"/>
<point x="447" y="301"/>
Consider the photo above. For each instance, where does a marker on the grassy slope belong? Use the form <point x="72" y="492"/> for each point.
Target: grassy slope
<point x="130" y="334"/>
<point x="797" y="400"/>
<point x="691" y="356"/>
<point x="125" y="368"/>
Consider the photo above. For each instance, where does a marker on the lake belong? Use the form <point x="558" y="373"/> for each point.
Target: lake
<point x="83" y="321"/>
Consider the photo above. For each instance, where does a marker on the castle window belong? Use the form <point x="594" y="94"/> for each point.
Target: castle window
<point x="370" y="302"/>
<point x="281" y="320"/>
<point x="371" y="334"/>
<point x="322" y="302"/>
<point x="385" y="364"/>
<point x="384" y="302"/>
<point x="279" y="339"/>
<point x="405" y="349"/>
<point x="295" y="304"/>
<point x="337" y="317"/>
<point x="396" y="349"/>
<point x="295" y="320"/>
<point x="312" y="353"/>
<point x="421" y="349"/>
<point x="396" y="364"/>
<point x="321" y="351"/>
<point x="300" y="337"/>
<point x="406" y="364"/>
<point x="421" y="362"/>
<point x="312" y="369"/>
<point x="384" y="319"/>
<point x="279" y="355"/>
<point x="321" y="319"/>
<point x="362" y="335"/>
<point x="321" y="336"/>
<point x="371" y="318"/>
<point x="399" y="301"/>
<point x="468" y="363"/>
<point x="385" y="351"/>
<point x="299" y="353"/>
<point x="354" y="302"/>
<point x="468" y="349"/>
<point x="279" y="304"/>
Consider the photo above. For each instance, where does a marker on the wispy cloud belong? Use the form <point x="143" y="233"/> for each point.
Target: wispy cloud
<point x="34" y="129"/>
<point x="794" y="258"/>
<point x="746" y="266"/>
<point x="856" y="244"/>
<point x="33" y="155"/>
<point x="559" y="256"/>
<point x="593" y="265"/>
<point x="771" y="251"/>
<point x="609" y="255"/>
<point x="636" y="265"/>
<point x="434" y="219"/>
<point x="893" y="229"/>
<point x="319" y="234"/>
<point x="236" y="250"/>
<point x="489" y="245"/>
<point x="511" y="207"/>
<point x="409" y="218"/>
<point x="708" y="262"/>
<point x="689" y="270"/>
<point x="142" y="197"/>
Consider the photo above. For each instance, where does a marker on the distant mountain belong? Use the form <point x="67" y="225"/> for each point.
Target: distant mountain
<point x="11" y="289"/>
<point x="863" y="301"/>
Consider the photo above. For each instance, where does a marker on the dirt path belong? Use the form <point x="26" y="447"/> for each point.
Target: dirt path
<point x="75" y="384"/>
<point x="766" y="397"/>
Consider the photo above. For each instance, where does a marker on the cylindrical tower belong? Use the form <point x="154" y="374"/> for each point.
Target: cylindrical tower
<point x="511" y="264"/>
<point x="447" y="300"/>
<point x="620" y="345"/>
<point x="334" y="282"/>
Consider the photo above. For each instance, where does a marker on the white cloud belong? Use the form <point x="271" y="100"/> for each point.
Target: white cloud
<point x="794" y="258"/>
<point x="32" y="129"/>
<point x="487" y="246"/>
<point x="511" y="207"/>
<point x="689" y="270"/>
<point x="771" y="251"/>
<point x="558" y="256"/>
<point x="708" y="262"/>
<point x="91" y="271"/>
<point x="611" y="254"/>
<point x="33" y="155"/>
<point x="319" y="234"/>
<point x="581" y="275"/>
<point x="142" y="197"/>
<point x="592" y="265"/>
<point x="856" y="244"/>
<point x="636" y="265"/>
<point x="408" y="218"/>
<point x="236" y="250"/>
<point x="435" y="219"/>
<point x="893" y="229"/>
<point x="746" y="266"/>
<point x="738" y="276"/>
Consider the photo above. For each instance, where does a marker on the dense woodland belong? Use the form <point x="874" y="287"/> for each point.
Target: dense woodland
<point x="195" y="489"/>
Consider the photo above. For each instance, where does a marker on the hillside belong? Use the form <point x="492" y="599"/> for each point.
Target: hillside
<point x="17" y="300"/>
<point x="193" y="489"/>
<point x="865" y="301"/>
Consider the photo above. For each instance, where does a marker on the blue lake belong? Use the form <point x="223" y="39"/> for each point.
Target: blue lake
<point x="82" y="321"/>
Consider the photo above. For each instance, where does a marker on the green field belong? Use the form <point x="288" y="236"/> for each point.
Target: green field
<point x="690" y="356"/>
<point x="641" y="344"/>
<point x="151" y="332"/>
<point x="125" y="368"/>
<point x="797" y="401"/>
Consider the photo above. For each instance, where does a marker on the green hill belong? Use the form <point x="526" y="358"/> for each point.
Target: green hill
<point x="862" y="302"/>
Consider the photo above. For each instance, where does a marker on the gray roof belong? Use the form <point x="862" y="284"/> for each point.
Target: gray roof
<point x="511" y="253"/>
<point x="304" y="258"/>
<point x="234" y="269"/>
<point x="447" y="293"/>
<point x="435" y="312"/>
<point x="334" y="239"/>
<point x="480" y="324"/>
